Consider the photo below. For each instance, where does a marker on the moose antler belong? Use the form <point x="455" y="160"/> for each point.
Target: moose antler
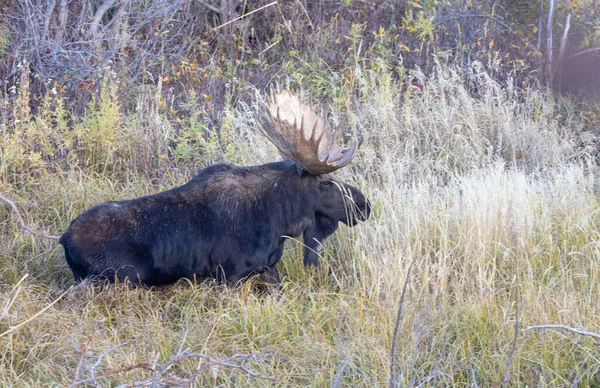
<point x="300" y="134"/>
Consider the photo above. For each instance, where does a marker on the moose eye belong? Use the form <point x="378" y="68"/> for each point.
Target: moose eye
<point x="326" y="183"/>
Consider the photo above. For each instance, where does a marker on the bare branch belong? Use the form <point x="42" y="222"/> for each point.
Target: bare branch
<point x="393" y="378"/>
<point x="22" y="223"/>
<point x="160" y="370"/>
<point x="101" y="356"/>
<point x="564" y="327"/>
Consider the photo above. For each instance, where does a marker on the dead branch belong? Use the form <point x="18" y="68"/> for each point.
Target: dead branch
<point x="564" y="327"/>
<point x="22" y="223"/>
<point x="157" y="379"/>
<point x="393" y="377"/>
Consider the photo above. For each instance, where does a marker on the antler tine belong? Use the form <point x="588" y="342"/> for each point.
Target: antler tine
<point x="345" y="155"/>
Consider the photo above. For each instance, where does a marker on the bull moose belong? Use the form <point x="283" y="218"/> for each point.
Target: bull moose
<point x="228" y="222"/>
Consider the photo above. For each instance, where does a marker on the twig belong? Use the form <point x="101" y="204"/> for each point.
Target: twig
<point x="564" y="327"/>
<point x="13" y="328"/>
<point x="516" y="337"/>
<point x="393" y="382"/>
<point x="110" y="372"/>
<point x="244" y="15"/>
<point x="20" y="219"/>
<point x="101" y="356"/>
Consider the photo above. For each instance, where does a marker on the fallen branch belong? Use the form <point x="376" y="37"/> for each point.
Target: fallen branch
<point x="566" y="328"/>
<point x="20" y="219"/>
<point x="160" y="377"/>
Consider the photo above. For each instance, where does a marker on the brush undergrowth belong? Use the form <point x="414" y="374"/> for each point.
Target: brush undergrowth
<point x="474" y="181"/>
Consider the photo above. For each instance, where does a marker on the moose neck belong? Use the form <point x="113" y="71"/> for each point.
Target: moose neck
<point x="292" y="199"/>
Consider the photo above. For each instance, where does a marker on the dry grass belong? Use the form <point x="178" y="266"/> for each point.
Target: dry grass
<point x="473" y="181"/>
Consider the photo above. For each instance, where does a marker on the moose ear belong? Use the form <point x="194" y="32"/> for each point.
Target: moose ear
<point x="300" y="170"/>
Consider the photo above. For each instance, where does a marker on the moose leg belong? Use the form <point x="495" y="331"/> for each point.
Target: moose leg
<point x="311" y="257"/>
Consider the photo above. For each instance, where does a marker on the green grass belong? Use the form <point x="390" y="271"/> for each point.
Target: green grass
<point x="471" y="180"/>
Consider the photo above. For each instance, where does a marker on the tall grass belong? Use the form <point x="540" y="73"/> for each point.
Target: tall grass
<point x="474" y="181"/>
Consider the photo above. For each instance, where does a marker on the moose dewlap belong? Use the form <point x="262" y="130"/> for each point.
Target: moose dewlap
<point x="228" y="222"/>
